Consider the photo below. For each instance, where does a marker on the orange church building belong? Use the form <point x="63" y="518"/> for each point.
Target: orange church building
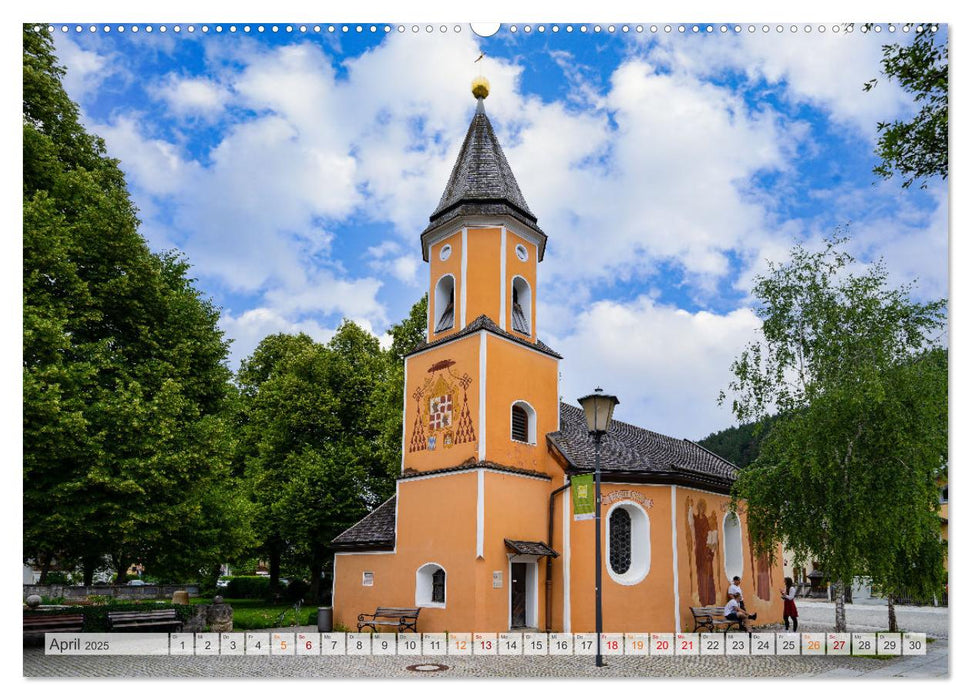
<point x="481" y="533"/>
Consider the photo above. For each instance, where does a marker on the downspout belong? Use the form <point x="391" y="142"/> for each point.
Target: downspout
<point x="549" y="559"/>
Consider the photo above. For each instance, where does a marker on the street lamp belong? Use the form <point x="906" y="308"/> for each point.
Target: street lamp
<point x="598" y="408"/>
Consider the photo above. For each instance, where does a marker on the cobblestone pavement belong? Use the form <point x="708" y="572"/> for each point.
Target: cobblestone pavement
<point x="934" y="664"/>
<point x="935" y="622"/>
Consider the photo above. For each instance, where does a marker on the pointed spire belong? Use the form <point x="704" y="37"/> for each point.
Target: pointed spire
<point x="481" y="183"/>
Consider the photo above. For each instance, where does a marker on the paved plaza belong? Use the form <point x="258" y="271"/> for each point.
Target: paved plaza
<point x="814" y="617"/>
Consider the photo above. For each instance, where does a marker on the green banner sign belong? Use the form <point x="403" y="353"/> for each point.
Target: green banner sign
<point x="584" y="499"/>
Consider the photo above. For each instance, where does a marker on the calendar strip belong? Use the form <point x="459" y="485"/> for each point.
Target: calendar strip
<point x="488" y="644"/>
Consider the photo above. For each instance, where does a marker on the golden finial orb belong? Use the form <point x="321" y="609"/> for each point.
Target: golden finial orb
<point x="480" y="87"/>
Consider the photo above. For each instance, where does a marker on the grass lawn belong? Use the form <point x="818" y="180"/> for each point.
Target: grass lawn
<point x="251" y="614"/>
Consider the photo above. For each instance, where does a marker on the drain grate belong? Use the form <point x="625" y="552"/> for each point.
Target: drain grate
<point x="427" y="668"/>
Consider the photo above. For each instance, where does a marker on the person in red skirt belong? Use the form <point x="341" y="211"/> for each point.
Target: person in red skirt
<point x="789" y="605"/>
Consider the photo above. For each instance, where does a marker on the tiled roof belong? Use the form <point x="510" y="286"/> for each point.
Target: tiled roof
<point x="374" y="531"/>
<point x="628" y="449"/>
<point x="487" y="324"/>
<point x="481" y="182"/>
<point x="536" y="548"/>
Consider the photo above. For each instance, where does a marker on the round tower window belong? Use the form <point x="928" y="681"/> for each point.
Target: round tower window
<point x="446" y="252"/>
<point x="522" y="253"/>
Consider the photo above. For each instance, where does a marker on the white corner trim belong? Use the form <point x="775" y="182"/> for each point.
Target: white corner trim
<point x="404" y="421"/>
<point x="567" y="506"/>
<point x="480" y="515"/>
<point x="465" y="269"/>
<point x="502" y="278"/>
<point x="482" y="395"/>
<point x="674" y="558"/>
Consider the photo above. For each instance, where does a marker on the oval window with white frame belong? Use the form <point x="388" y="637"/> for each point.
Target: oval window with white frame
<point x="446" y="252"/>
<point x="628" y="539"/>
<point x="522" y="253"/>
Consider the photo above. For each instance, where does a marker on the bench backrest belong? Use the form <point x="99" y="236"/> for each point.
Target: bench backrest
<point x="715" y="610"/>
<point x="397" y="612"/>
<point x="43" y="620"/>
<point x="143" y="615"/>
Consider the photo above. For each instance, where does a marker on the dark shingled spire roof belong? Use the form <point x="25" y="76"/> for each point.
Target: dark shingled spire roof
<point x="482" y="181"/>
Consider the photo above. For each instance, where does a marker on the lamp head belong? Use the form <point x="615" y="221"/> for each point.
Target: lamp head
<point x="598" y="408"/>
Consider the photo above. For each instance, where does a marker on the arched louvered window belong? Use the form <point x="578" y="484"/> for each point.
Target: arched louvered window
<point x="520" y="424"/>
<point x="521" y="305"/>
<point x="620" y="541"/>
<point x="445" y="304"/>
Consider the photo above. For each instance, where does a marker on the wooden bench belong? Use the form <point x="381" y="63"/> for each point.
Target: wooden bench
<point x="144" y="620"/>
<point x="36" y="626"/>
<point x="402" y="618"/>
<point x="713" y="619"/>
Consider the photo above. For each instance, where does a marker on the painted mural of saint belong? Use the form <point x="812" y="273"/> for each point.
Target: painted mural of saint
<point x="705" y="533"/>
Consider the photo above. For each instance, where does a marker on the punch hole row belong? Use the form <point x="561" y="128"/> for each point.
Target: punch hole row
<point x="513" y="28"/>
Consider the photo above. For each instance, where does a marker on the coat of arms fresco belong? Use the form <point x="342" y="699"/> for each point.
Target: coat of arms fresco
<point x="436" y="422"/>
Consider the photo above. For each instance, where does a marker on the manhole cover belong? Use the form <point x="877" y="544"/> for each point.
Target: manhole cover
<point x="427" y="668"/>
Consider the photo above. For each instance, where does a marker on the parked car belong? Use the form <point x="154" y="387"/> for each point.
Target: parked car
<point x="137" y="582"/>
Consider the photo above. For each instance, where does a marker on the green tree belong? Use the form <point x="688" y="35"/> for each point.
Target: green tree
<point x="848" y="472"/>
<point x="916" y="149"/>
<point x="124" y="385"/>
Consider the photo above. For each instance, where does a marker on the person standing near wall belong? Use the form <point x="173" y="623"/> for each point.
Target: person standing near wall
<point x="735" y="588"/>
<point x="789" y="605"/>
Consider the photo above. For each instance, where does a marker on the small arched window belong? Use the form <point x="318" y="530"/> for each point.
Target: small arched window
<point x="733" y="545"/>
<point x="628" y="543"/>
<point x="523" y="423"/>
<point x="521" y="305"/>
<point x="445" y="303"/>
<point x="430" y="586"/>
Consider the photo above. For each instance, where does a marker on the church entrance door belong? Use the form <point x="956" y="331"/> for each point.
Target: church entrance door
<point x="517" y="590"/>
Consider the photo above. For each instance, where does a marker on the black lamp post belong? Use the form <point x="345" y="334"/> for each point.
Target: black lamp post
<point x="598" y="408"/>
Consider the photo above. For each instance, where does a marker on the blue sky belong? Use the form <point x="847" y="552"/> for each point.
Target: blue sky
<point x="296" y="170"/>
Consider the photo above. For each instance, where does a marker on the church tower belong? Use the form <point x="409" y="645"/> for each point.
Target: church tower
<point x="482" y="388"/>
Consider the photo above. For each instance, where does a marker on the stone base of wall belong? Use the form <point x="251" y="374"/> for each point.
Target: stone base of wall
<point x="119" y="592"/>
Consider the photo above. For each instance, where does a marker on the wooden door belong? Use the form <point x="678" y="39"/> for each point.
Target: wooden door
<point x="517" y="591"/>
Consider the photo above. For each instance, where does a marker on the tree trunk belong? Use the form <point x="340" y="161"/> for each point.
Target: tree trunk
<point x="840" y="597"/>
<point x="121" y="567"/>
<point x="316" y="563"/>
<point x="212" y="577"/>
<point x="88" y="565"/>
<point x="275" y="556"/>
<point x="891" y="614"/>
<point x="45" y="566"/>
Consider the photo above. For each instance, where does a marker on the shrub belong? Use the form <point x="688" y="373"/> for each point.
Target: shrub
<point x="247" y="587"/>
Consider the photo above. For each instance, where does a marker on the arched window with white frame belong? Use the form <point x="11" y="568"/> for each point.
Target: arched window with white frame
<point x="430" y="586"/>
<point x="522" y="305"/>
<point x="628" y="536"/>
<point x="522" y="423"/>
<point x="444" y="303"/>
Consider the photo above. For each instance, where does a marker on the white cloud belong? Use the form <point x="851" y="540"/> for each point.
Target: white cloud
<point x="825" y="69"/>
<point x="193" y="96"/>
<point x="87" y="69"/>
<point x="250" y="327"/>
<point x="665" y="365"/>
